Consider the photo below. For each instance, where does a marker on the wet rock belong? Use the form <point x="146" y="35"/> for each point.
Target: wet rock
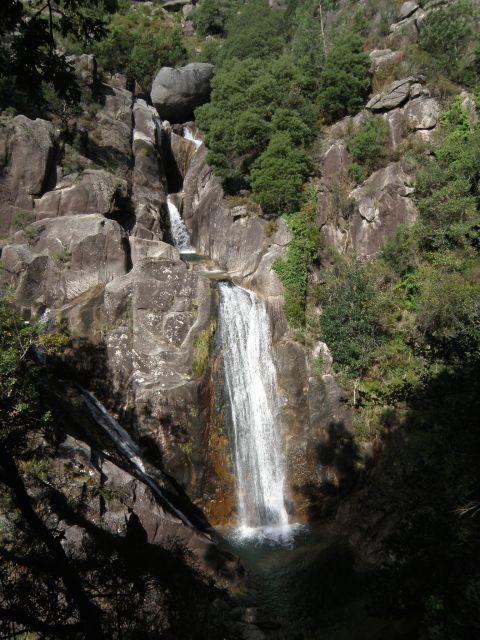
<point x="177" y="92"/>
<point x="27" y="165"/>
<point x="182" y="151"/>
<point x="143" y="249"/>
<point x="129" y="504"/>
<point x="61" y="258"/>
<point x="154" y="314"/>
<point x="94" y="191"/>
<point x="383" y="202"/>
<point x="149" y="189"/>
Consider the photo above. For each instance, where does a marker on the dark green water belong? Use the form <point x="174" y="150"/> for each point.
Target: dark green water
<point x="311" y="589"/>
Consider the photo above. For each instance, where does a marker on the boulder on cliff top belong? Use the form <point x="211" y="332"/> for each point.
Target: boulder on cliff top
<point x="177" y="92"/>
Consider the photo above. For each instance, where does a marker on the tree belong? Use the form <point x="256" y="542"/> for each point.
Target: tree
<point x="29" y="54"/>
<point x="447" y="35"/>
<point x="139" y="42"/>
<point x="345" y="78"/>
<point x="277" y="176"/>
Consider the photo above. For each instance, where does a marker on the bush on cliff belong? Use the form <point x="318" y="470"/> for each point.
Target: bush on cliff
<point x="345" y="77"/>
<point x="139" y="42"/>
<point x="277" y="176"/>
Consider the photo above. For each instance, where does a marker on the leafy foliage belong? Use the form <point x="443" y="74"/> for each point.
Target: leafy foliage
<point x="302" y="253"/>
<point x="449" y="35"/>
<point x="29" y="55"/>
<point x="345" y="77"/>
<point x="242" y="115"/>
<point x="278" y="174"/>
<point x="370" y="145"/>
<point x="139" y="42"/>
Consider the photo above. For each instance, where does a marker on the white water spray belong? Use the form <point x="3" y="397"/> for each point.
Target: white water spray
<point x="180" y="237"/>
<point x="252" y="388"/>
<point x="188" y="135"/>
<point x="126" y="447"/>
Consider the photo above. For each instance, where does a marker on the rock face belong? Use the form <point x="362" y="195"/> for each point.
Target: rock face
<point x="59" y="259"/>
<point x="149" y="191"/>
<point x="177" y="92"/>
<point x="246" y="246"/>
<point x="153" y="314"/>
<point x="383" y="203"/>
<point x="27" y="165"/>
<point x="396" y="95"/>
<point x="92" y="192"/>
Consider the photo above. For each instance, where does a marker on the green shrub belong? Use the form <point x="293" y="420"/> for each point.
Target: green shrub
<point x="447" y="34"/>
<point x="302" y="253"/>
<point x="254" y="31"/>
<point x="23" y="219"/>
<point x="345" y="78"/>
<point x="370" y="146"/>
<point x="241" y="117"/>
<point x="201" y="349"/>
<point x="356" y="173"/>
<point x="278" y="174"/>
<point x="139" y="42"/>
<point x="350" y="319"/>
<point x="211" y="16"/>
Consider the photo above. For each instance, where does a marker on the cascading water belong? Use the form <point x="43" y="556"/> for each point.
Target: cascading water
<point x="180" y="237"/>
<point x="188" y="135"/>
<point x="127" y="447"/>
<point x="252" y="389"/>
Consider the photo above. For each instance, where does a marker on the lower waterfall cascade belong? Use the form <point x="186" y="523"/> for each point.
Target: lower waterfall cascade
<point x="256" y="441"/>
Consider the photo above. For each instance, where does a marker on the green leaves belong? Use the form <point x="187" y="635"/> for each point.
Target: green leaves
<point x="370" y="145"/>
<point x="345" y="78"/>
<point x="139" y="42"/>
<point x="277" y="176"/>
<point x="302" y="253"/>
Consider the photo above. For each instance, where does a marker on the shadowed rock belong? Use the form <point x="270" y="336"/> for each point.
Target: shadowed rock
<point x="177" y="92"/>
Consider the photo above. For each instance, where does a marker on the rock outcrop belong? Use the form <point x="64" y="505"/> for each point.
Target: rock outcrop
<point x="27" y="166"/>
<point x="149" y="191"/>
<point x="56" y="260"/>
<point x="94" y="191"/>
<point x="177" y="92"/>
<point x="384" y="202"/>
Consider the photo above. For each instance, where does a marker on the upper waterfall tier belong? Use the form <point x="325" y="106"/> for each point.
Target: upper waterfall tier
<point x="252" y="388"/>
<point x="180" y="237"/>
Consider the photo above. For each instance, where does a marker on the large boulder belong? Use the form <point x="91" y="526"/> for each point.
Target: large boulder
<point x="27" y="167"/>
<point x="93" y="191"/>
<point x="395" y="96"/>
<point x="58" y="259"/>
<point x="177" y="92"/>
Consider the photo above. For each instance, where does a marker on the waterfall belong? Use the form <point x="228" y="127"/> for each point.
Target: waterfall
<point x="127" y="448"/>
<point x="188" y="135"/>
<point x="180" y="237"/>
<point x="252" y="389"/>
